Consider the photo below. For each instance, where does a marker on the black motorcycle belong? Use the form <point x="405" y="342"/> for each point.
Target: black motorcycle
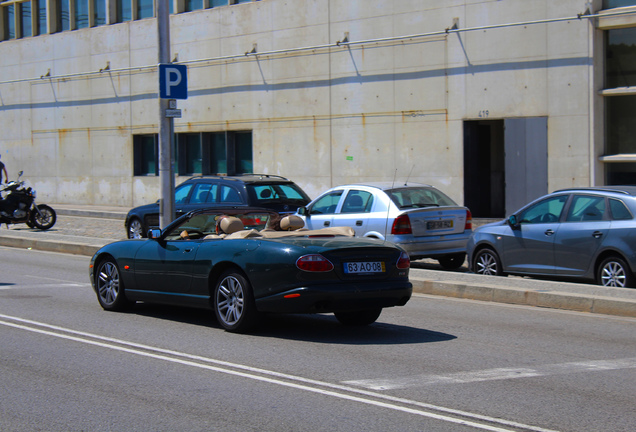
<point x="18" y="206"/>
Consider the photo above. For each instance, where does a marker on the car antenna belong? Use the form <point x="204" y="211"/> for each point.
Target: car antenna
<point x="409" y="176"/>
<point x="388" y="206"/>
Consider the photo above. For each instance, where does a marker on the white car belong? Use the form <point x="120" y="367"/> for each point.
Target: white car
<point x="420" y="218"/>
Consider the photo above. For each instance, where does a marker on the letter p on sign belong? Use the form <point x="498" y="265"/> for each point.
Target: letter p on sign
<point x="173" y="81"/>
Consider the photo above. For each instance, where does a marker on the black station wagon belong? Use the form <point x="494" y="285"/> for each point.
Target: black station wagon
<point x="250" y="190"/>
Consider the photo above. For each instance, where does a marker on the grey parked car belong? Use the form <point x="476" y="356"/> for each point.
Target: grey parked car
<point x="420" y="218"/>
<point x="587" y="233"/>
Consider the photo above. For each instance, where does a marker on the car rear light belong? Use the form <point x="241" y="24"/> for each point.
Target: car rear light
<point x="401" y="225"/>
<point x="469" y="220"/>
<point x="404" y="262"/>
<point x="314" y="263"/>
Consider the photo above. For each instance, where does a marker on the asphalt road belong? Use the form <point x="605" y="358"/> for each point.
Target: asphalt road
<point x="437" y="364"/>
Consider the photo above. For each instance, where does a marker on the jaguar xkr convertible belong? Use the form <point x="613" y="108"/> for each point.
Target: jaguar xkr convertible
<point x="247" y="262"/>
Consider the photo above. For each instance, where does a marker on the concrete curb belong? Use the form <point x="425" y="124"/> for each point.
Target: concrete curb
<point x="521" y="296"/>
<point x="91" y="213"/>
<point x="50" y="245"/>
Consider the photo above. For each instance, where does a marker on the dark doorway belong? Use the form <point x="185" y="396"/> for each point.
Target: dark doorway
<point x="505" y="164"/>
<point x="484" y="168"/>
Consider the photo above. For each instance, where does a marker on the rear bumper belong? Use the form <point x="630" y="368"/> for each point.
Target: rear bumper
<point x="337" y="298"/>
<point x="432" y="247"/>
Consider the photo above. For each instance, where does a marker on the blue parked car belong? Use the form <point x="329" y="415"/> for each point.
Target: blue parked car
<point x="587" y="233"/>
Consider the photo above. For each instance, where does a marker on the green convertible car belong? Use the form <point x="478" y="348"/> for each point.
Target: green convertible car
<point x="243" y="263"/>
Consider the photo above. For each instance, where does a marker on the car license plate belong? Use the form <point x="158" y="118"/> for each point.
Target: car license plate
<point x="435" y="225"/>
<point x="364" y="267"/>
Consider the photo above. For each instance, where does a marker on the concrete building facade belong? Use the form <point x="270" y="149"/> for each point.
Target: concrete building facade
<point x="493" y="101"/>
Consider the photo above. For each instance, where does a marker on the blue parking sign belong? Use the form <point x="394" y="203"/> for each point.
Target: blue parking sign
<point x="173" y="81"/>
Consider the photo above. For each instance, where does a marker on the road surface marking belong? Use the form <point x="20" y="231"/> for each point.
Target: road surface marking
<point x="408" y="406"/>
<point x="494" y="374"/>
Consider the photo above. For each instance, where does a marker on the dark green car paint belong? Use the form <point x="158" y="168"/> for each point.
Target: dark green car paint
<point x="184" y="272"/>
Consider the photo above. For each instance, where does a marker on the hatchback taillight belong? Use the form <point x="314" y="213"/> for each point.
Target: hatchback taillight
<point x="469" y="221"/>
<point x="404" y="262"/>
<point x="314" y="263"/>
<point x="401" y="225"/>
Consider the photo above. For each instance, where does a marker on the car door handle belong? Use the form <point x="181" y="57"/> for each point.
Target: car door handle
<point x="597" y="234"/>
<point x="359" y="223"/>
<point x="327" y="223"/>
<point x="549" y="232"/>
<point x="187" y="250"/>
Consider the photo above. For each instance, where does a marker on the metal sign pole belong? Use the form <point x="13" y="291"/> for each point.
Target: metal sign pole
<point x="166" y="135"/>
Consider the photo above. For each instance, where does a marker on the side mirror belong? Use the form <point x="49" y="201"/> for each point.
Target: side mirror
<point x="303" y="211"/>
<point x="154" y="233"/>
<point x="512" y="221"/>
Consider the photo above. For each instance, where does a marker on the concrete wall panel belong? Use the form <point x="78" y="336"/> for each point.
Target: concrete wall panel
<point x="322" y="116"/>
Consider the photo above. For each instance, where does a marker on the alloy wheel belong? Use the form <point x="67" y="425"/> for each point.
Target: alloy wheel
<point x="230" y="300"/>
<point x="108" y="283"/>
<point x="613" y="275"/>
<point x="487" y="263"/>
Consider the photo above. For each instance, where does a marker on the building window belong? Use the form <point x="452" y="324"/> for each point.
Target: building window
<point x="146" y="155"/>
<point x="8" y="16"/>
<point x="620" y="129"/>
<point x="81" y="14"/>
<point x="620" y="58"/>
<point x="191" y="5"/>
<point x="26" y="29"/>
<point x="620" y="125"/>
<point x="223" y="153"/>
<point x="63" y="15"/>
<point x="124" y="10"/>
<point x="243" y="151"/>
<point x="99" y="12"/>
<point x="215" y="145"/>
<point x="215" y="153"/>
<point x="41" y="17"/>
<point x="145" y="9"/>
<point x="190" y="153"/>
<point x="609" y="4"/>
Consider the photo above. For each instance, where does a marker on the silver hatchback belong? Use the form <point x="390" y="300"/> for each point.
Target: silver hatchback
<point x="587" y="233"/>
<point x="420" y="218"/>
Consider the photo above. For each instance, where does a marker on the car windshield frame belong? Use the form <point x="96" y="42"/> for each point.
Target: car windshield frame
<point x="204" y="222"/>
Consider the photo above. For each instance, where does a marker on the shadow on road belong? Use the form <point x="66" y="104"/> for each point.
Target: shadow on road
<point x="315" y="328"/>
<point x="431" y="264"/>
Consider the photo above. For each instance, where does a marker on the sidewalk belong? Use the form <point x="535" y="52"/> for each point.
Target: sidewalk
<point x="82" y="230"/>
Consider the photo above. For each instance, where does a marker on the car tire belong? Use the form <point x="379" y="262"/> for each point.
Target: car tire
<point x="452" y="262"/>
<point x="614" y="272"/>
<point x="358" y="318"/>
<point x="109" y="286"/>
<point x="487" y="262"/>
<point x="135" y="229"/>
<point x="234" y="304"/>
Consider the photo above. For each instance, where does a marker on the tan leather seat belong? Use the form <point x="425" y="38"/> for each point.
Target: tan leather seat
<point x="291" y="223"/>
<point x="229" y="225"/>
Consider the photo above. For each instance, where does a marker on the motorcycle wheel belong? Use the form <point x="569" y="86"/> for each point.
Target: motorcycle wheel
<point x="45" y="219"/>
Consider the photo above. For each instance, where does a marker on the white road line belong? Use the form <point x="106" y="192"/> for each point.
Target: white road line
<point x="53" y="285"/>
<point x="494" y="374"/>
<point x="333" y="390"/>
